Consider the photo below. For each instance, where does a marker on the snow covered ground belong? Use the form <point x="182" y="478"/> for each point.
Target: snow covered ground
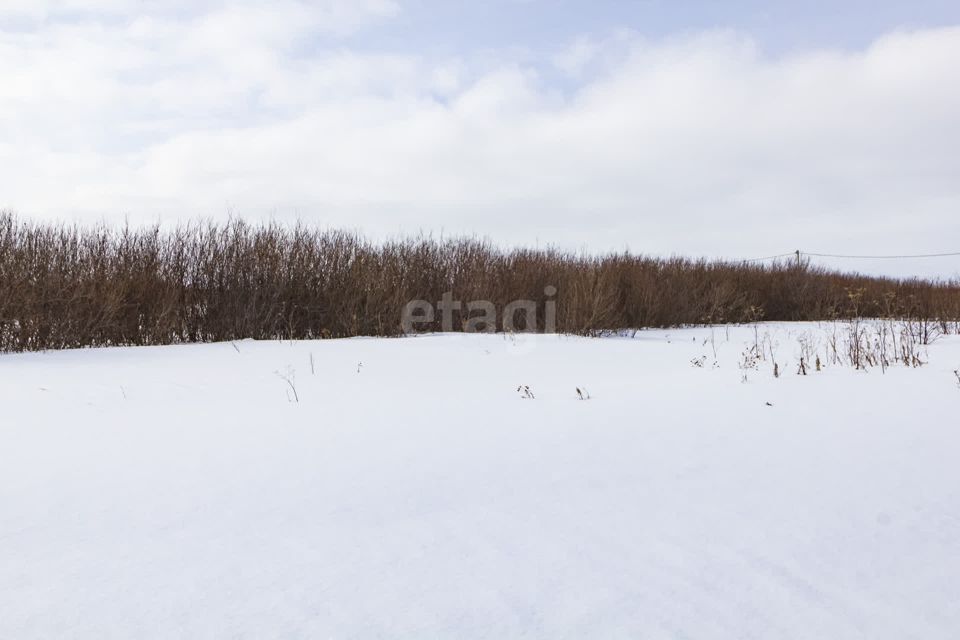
<point x="412" y="492"/>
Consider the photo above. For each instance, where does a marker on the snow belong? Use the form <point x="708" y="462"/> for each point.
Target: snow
<point x="412" y="492"/>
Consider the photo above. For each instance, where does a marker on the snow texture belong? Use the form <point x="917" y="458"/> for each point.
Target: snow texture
<point x="413" y="492"/>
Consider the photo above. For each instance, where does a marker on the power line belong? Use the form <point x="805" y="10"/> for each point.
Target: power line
<point x="794" y="254"/>
<point x="908" y="257"/>
<point x="782" y="255"/>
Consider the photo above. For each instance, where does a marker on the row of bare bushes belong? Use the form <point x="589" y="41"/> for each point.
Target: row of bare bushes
<point x="67" y="286"/>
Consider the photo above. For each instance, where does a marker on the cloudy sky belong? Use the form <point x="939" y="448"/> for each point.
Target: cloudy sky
<point x="736" y="129"/>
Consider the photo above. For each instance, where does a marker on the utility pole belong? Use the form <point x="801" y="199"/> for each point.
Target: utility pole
<point x="798" y="258"/>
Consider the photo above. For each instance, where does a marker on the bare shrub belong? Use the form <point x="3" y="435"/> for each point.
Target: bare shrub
<point x="68" y="286"/>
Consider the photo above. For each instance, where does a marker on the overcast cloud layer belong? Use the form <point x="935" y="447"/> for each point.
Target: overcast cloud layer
<point x="701" y="143"/>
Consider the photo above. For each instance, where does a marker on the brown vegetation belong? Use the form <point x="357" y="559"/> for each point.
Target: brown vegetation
<point x="63" y="286"/>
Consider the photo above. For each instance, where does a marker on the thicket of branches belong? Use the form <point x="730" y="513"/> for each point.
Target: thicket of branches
<point x="65" y="286"/>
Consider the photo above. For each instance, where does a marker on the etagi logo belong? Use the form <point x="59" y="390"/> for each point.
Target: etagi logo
<point x="480" y="316"/>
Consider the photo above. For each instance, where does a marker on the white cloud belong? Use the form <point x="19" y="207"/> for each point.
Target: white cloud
<point x="697" y="144"/>
<point x="334" y="16"/>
